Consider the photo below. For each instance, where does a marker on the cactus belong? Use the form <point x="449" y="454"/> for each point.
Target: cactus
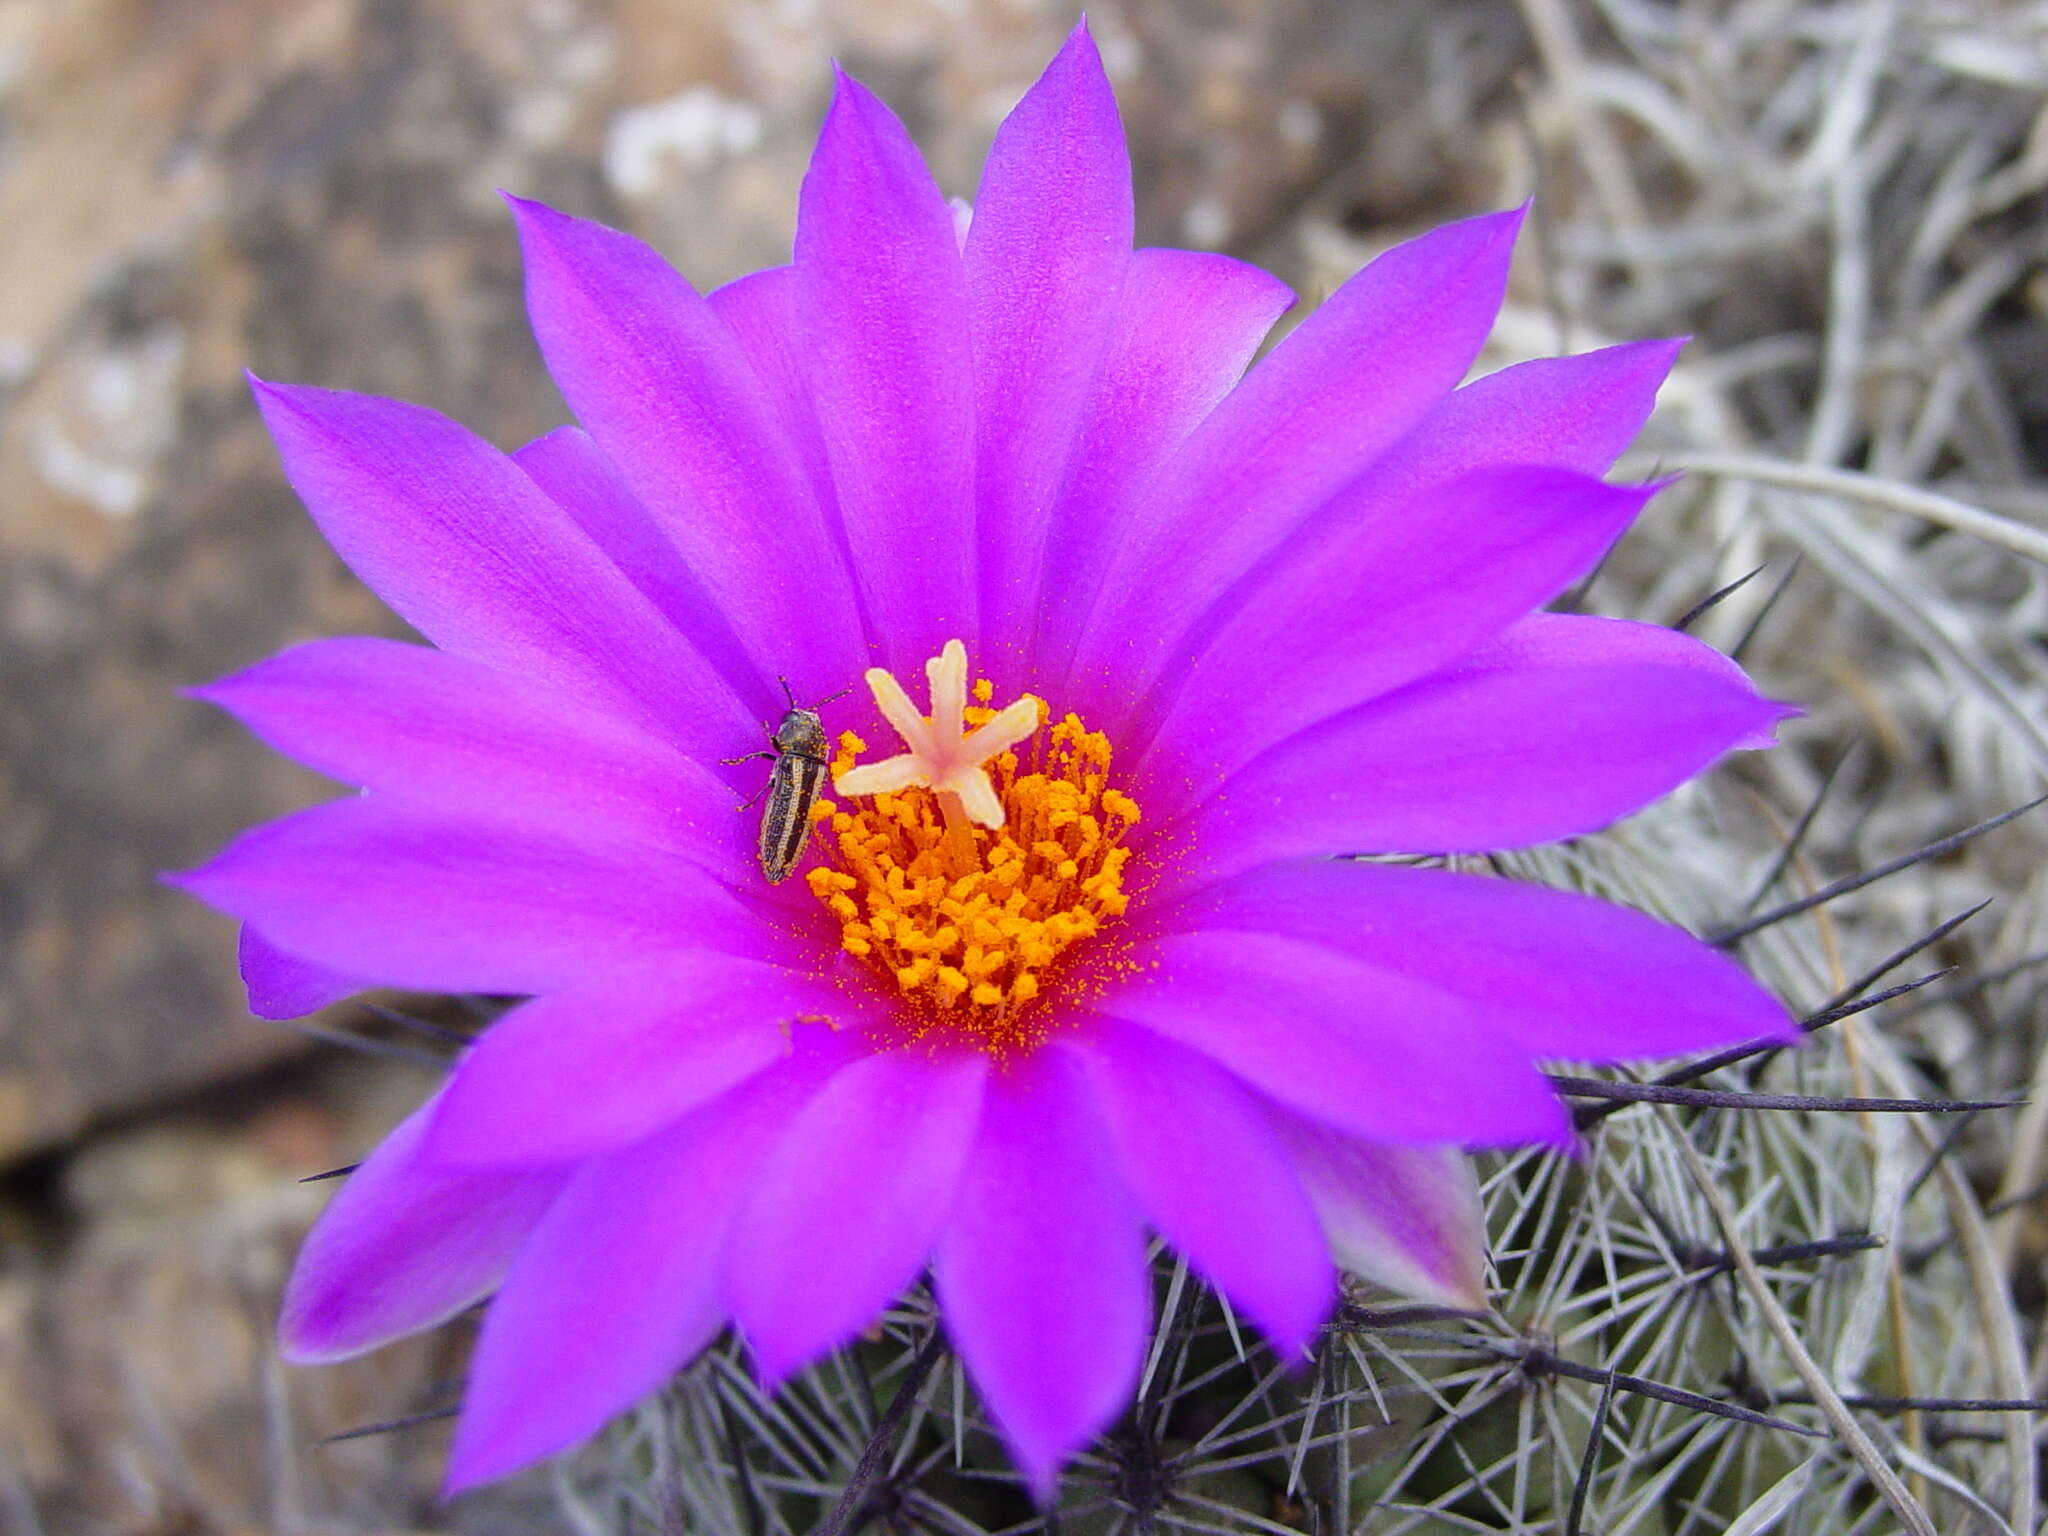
<point x="1739" y="1313"/>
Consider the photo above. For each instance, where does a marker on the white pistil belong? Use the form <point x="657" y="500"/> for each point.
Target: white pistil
<point x="943" y="755"/>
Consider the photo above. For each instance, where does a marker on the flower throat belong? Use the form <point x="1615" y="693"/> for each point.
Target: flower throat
<point x="966" y="919"/>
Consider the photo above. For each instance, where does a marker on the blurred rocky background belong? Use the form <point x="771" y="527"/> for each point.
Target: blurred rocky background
<point x="308" y="188"/>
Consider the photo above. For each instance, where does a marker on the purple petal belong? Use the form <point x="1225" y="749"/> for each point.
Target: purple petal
<point x="1572" y="642"/>
<point x="1560" y="973"/>
<point x="760" y="311"/>
<point x="600" y="1066"/>
<point x="405" y="1245"/>
<point x="618" y="1286"/>
<point x="1556" y="728"/>
<point x="882" y="312"/>
<point x="1045" y="259"/>
<point x="282" y="986"/>
<point x="661" y="385"/>
<point x="423" y="900"/>
<point x="1186" y="327"/>
<point x="1374" y="1051"/>
<point x="431" y="727"/>
<point x="1372" y="598"/>
<point x="1567" y="412"/>
<point x="841" y="1216"/>
<point x="1343" y="387"/>
<point x="1041" y="1273"/>
<point x="1200" y="1155"/>
<point x="470" y="552"/>
<point x="1407" y="1218"/>
<point x="569" y="466"/>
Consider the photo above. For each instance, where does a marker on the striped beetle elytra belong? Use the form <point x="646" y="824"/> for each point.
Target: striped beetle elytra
<point x="800" y="753"/>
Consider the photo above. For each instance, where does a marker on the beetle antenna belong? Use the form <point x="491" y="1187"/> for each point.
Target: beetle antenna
<point x="786" y="693"/>
<point x="842" y="693"/>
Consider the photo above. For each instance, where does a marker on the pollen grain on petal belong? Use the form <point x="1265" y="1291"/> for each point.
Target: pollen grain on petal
<point x="967" y="908"/>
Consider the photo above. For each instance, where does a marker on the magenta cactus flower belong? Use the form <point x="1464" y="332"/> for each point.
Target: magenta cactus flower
<point x="1066" y="954"/>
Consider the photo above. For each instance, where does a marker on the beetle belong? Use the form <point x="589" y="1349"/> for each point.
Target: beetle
<point x="800" y="753"/>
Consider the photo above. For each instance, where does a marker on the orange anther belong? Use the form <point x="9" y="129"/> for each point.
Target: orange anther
<point x="962" y="908"/>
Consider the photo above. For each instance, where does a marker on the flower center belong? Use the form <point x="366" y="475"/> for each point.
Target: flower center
<point x="963" y="869"/>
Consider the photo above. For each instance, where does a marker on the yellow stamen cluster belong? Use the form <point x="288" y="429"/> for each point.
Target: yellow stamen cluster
<point x="967" y="919"/>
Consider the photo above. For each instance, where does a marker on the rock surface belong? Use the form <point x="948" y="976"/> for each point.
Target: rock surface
<point x="140" y="1387"/>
